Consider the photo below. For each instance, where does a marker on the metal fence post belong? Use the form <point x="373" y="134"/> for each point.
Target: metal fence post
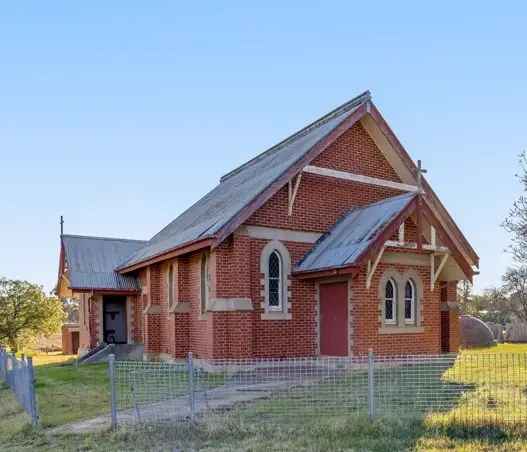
<point x="113" y="398"/>
<point x="371" y="385"/>
<point x="191" y="395"/>
<point x="31" y="389"/>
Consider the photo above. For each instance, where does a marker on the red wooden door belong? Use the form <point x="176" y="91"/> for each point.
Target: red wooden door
<point x="334" y="319"/>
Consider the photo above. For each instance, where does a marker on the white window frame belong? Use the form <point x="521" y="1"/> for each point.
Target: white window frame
<point x="393" y="320"/>
<point x="411" y="320"/>
<point x="280" y="305"/>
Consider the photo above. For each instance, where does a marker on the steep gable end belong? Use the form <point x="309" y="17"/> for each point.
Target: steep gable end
<point x="321" y="200"/>
<point x="356" y="152"/>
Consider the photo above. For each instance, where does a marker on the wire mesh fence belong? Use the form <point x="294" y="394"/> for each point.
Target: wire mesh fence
<point x="18" y="374"/>
<point x="469" y="387"/>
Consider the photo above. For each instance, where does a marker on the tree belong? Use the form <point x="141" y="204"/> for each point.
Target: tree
<point x="515" y="285"/>
<point x="491" y="306"/>
<point x="515" y="278"/>
<point x="516" y="221"/>
<point x="71" y="308"/>
<point x="465" y="297"/>
<point x="26" y="311"/>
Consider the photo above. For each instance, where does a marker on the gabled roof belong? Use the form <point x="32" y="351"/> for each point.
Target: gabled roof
<point x="242" y="191"/>
<point x="91" y="262"/>
<point x="240" y="187"/>
<point x="354" y="234"/>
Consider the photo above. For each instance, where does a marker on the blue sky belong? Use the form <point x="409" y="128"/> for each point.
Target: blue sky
<point x="119" y="115"/>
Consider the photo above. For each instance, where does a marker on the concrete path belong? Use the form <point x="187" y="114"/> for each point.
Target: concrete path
<point x="222" y="397"/>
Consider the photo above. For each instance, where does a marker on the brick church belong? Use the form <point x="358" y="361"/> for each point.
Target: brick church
<point x="327" y="244"/>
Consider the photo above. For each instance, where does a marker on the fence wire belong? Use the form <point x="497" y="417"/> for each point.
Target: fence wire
<point x="18" y="374"/>
<point x="469" y="387"/>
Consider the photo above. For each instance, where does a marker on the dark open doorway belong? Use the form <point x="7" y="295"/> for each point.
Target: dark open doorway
<point x="74" y="342"/>
<point x="114" y="320"/>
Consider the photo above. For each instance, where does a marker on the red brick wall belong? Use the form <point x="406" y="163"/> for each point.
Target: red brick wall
<point x="366" y="317"/>
<point x="154" y="332"/>
<point x="201" y="326"/>
<point x="95" y="321"/>
<point x="455" y="333"/>
<point x="281" y="338"/>
<point x="320" y="200"/>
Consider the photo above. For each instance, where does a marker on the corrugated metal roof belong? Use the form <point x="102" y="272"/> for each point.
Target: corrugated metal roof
<point x="241" y="186"/>
<point x="353" y="234"/>
<point x="91" y="261"/>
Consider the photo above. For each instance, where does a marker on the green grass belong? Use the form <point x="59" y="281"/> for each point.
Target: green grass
<point x="66" y="393"/>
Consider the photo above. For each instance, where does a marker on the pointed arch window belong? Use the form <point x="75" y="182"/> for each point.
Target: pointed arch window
<point x="409" y="302"/>
<point x="275" y="281"/>
<point x="204" y="281"/>
<point x="390" y="302"/>
<point x="170" y="280"/>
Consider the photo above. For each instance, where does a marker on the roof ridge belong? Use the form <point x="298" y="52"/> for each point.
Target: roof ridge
<point x="103" y="238"/>
<point x="363" y="97"/>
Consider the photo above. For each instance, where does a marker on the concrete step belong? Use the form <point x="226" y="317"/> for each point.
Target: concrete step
<point x="122" y="352"/>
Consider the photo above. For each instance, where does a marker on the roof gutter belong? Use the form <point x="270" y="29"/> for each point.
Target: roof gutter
<point x="185" y="248"/>
<point x="102" y="290"/>
<point x="327" y="272"/>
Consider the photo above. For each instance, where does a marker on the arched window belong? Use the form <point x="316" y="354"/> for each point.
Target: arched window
<point x="204" y="282"/>
<point x="274" y="276"/>
<point x="170" y="277"/>
<point x="409" y="302"/>
<point x="390" y="302"/>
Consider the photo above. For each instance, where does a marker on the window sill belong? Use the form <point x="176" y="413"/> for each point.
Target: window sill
<point x="179" y="308"/>
<point x="152" y="309"/>
<point x="401" y="329"/>
<point x="276" y="315"/>
<point x="230" y="305"/>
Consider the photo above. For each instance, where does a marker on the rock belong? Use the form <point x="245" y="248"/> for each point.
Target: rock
<point x="497" y="331"/>
<point x="516" y="332"/>
<point x="475" y="332"/>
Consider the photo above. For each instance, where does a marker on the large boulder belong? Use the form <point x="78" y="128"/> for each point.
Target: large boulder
<point x="516" y="332"/>
<point x="475" y="332"/>
<point x="497" y="331"/>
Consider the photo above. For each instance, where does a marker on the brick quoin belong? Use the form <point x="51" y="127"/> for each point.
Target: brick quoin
<point x="234" y="268"/>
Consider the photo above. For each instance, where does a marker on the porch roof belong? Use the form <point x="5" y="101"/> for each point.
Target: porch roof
<point x="90" y="262"/>
<point x="353" y="234"/>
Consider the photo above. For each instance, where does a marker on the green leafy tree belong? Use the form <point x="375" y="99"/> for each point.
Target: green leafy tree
<point x="26" y="311"/>
<point x="491" y="306"/>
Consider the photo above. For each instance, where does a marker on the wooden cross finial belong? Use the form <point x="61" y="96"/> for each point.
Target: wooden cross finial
<point x="420" y="172"/>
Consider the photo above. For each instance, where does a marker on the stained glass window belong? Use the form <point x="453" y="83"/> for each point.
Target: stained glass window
<point x="390" y="304"/>
<point x="409" y="302"/>
<point x="275" y="281"/>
